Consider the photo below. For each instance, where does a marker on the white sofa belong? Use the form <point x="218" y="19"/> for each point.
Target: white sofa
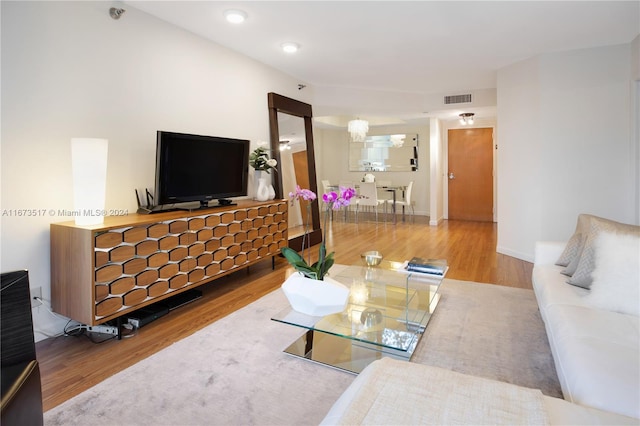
<point x="596" y="351"/>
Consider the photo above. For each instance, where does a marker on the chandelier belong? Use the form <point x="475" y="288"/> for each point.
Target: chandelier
<point x="397" y="140"/>
<point x="466" y="118"/>
<point x="358" y="129"/>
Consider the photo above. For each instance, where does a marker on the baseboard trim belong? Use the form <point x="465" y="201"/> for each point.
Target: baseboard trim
<point x="518" y="255"/>
<point x="436" y="222"/>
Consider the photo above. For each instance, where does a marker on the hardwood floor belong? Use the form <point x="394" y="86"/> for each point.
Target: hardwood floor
<point x="70" y="365"/>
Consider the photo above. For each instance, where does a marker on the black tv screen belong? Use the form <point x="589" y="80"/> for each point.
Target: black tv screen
<point x="199" y="168"/>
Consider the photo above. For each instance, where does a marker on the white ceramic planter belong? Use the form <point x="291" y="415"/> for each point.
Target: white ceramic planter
<point x="314" y="297"/>
<point x="262" y="193"/>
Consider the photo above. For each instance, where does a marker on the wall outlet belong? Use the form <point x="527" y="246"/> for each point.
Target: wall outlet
<point x="36" y="292"/>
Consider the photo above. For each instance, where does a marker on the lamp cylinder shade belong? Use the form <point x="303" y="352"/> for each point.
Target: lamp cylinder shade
<point x="89" y="166"/>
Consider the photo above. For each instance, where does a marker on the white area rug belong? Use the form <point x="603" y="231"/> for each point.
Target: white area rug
<point x="234" y="370"/>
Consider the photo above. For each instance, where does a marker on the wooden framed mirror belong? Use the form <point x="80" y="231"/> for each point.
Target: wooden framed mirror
<point x="291" y="135"/>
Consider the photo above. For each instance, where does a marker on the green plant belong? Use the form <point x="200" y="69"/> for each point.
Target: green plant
<point x="259" y="160"/>
<point x="319" y="269"/>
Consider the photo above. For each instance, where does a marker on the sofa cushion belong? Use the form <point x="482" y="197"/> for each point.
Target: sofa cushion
<point x="547" y="252"/>
<point x="390" y="391"/>
<point x="596" y="355"/>
<point x="410" y="404"/>
<point x="586" y="260"/>
<point x="616" y="277"/>
<point x="550" y="288"/>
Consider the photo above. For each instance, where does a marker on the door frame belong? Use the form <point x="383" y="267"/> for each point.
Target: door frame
<point x="454" y="125"/>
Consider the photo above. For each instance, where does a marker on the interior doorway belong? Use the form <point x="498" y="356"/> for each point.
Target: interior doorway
<point x="470" y="174"/>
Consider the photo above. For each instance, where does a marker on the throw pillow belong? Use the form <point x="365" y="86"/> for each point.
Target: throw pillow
<point x="616" y="277"/>
<point x="571" y="254"/>
<point x="586" y="262"/>
<point x="571" y="251"/>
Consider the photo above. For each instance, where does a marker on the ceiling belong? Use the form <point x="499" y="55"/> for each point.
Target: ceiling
<point x="405" y="52"/>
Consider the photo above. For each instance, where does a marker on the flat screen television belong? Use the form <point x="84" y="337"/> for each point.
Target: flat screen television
<point x="200" y="168"/>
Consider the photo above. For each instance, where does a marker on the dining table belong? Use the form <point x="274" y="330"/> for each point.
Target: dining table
<point x="393" y="189"/>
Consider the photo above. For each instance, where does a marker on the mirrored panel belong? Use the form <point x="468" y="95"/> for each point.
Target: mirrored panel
<point x="294" y="168"/>
<point x="384" y="153"/>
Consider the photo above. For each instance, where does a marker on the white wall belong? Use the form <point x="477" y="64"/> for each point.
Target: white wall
<point x="69" y="70"/>
<point x="635" y="113"/>
<point x="635" y="59"/>
<point x="436" y="171"/>
<point x="565" y="141"/>
<point x="332" y="159"/>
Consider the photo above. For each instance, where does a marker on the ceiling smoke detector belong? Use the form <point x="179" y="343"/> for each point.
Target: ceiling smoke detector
<point x="116" y="13"/>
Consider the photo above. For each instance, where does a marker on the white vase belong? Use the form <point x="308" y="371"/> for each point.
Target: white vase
<point x="272" y="192"/>
<point x="262" y="192"/>
<point x="315" y="297"/>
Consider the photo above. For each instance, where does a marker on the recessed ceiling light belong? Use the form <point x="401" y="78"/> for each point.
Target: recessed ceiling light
<point x="235" y="16"/>
<point x="290" y="47"/>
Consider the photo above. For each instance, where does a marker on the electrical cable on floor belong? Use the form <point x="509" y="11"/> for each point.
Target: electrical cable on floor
<point x="70" y="329"/>
<point x="48" y="309"/>
<point x="41" y="300"/>
<point x="79" y="329"/>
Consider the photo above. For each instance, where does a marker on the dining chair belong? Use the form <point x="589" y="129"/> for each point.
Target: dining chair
<point x="406" y="202"/>
<point x="368" y="197"/>
<point x="326" y="186"/>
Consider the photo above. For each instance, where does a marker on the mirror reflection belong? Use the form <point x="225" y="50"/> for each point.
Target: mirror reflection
<point x="384" y="153"/>
<point x="294" y="168"/>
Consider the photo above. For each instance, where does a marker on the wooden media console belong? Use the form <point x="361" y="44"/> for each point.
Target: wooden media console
<point x="101" y="272"/>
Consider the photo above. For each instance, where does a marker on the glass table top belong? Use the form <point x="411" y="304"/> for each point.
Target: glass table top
<point x="388" y="307"/>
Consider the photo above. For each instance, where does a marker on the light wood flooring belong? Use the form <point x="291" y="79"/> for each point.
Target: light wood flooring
<point x="70" y="365"/>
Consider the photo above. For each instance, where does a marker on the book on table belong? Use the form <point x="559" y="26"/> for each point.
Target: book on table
<point x="427" y="266"/>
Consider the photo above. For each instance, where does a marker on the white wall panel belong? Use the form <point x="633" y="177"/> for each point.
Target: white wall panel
<point x="564" y="134"/>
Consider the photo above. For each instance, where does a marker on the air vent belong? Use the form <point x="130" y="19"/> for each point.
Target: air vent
<point x="457" y="99"/>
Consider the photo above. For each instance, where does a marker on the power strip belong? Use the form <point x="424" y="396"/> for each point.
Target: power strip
<point x="104" y="329"/>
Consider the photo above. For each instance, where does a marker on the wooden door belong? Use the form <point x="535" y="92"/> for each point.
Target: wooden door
<point x="471" y="174"/>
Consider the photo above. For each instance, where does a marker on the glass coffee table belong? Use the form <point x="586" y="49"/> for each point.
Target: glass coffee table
<point x="387" y="312"/>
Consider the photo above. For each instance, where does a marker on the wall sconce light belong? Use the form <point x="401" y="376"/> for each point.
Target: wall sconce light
<point x="89" y="169"/>
<point x="358" y="129"/>
<point x="466" y="118"/>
